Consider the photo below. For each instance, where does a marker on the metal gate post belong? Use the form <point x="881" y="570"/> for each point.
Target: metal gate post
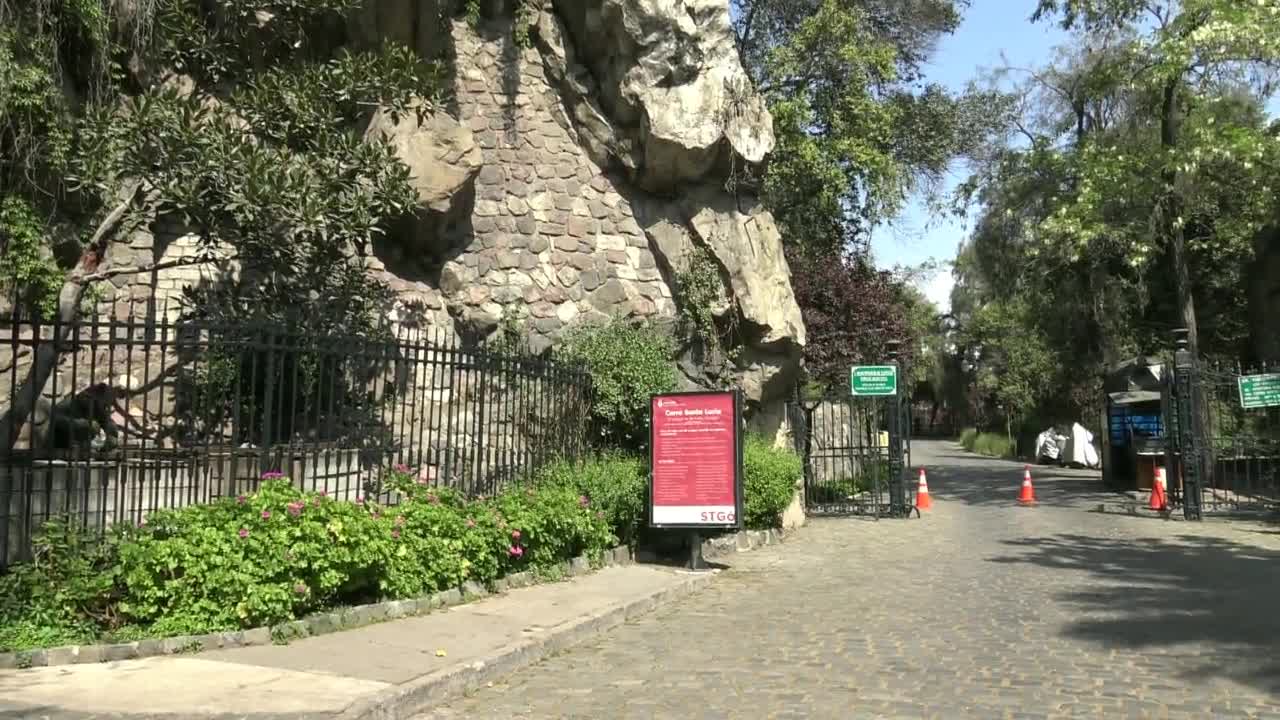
<point x="897" y="489"/>
<point x="1186" y="378"/>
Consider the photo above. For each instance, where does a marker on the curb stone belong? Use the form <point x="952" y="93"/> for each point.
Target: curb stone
<point x="415" y="696"/>
<point x="347" y="618"/>
<point x="322" y="623"/>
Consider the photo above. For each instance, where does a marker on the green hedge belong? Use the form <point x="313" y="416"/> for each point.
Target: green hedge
<point x="769" y="479"/>
<point x="615" y="484"/>
<point x="989" y="444"/>
<point x="279" y="554"/>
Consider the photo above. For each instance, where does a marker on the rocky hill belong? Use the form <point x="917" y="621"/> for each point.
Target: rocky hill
<point x="583" y="161"/>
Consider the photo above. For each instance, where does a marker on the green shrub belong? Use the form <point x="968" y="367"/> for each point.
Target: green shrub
<point x="989" y="444"/>
<point x="63" y="594"/>
<point x="281" y="553"/>
<point x="769" y="481"/>
<point x="629" y="362"/>
<point x="615" y="484"/>
<point x="252" y="560"/>
<point x="547" y="524"/>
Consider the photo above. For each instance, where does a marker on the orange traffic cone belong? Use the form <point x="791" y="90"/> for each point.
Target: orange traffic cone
<point x="923" y="501"/>
<point x="1028" y="494"/>
<point x="1159" y="499"/>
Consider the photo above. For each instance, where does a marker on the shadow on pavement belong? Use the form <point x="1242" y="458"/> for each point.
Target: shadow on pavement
<point x="976" y="480"/>
<point x="1157" y="593"/>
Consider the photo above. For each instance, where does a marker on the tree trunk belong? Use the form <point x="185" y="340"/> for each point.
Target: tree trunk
<point x="1171" y="218"/>
<point x="45" y="359"/>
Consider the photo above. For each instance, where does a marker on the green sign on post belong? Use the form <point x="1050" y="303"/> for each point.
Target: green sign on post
<point x="1259" y="391"/>
<point x="873" y="380"/>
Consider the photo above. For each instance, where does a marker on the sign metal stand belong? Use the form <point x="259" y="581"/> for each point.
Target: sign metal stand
<point x="695" y="480"/>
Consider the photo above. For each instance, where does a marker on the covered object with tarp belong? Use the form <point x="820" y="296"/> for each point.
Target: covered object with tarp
<point x="1133" y="442"/>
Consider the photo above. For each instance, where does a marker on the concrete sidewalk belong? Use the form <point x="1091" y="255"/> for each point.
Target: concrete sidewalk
<point x="390" y="670"/>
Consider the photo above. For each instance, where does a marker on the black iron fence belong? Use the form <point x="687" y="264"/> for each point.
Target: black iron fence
<point x="855" y="450"/>
<point x="1223" y="450"/>
<point x="106" y="420"/>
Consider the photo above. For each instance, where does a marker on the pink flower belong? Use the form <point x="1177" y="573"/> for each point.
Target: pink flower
<point x="402" y="468"/>
<point x="515" y="551"/>
<point x="324" y="493"/>
<point x="240" y="500"/>
<point x="399" y="520"/>
<point x="395" y="534"/>
<point x="584" y="501"/>
<point x="273" y="475"/>
<point x="359" y="501"/>
<point x="295" y="509"/>
<point x="471" y="523"/>
<point x="300" y="589"/>
<point x="244" y="533"/>
<point x="515" y="534"/>
<point x="266" y="514"/>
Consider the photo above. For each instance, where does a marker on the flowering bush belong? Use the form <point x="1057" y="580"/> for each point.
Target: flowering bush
<point x="615" y="484"/>
<point x="547" y="523"/>
<point x="252" y="560"/>
<point x="279" y="553"/>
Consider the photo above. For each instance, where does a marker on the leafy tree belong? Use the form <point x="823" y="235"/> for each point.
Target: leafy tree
<point x="1184" y="56"/>
<point x="857" y="133"/>
<point x="240" y="121"/>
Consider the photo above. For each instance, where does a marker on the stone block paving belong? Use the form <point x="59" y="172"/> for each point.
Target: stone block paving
<point x="982" y="609"/>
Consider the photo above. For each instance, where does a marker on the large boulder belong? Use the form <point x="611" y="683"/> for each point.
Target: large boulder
<point x="443" y="161"/>
<point x="668" y="72"/>
<point x="743" y="242"/>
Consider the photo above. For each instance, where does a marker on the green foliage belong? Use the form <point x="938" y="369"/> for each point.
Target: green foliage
<point x="770" y="475"/>
<point x="547" y="523"/>
<point x="259" y="152"/>
<point x="63" y="594"/>
<point x="855" y="131"/>
<point x="615" y="484"/>
<point x="280" y="553"/>
<point x="251" y="561"/>
<point x="25" y="268"/>
<point x="989" y="444"/>
<point x="629" y="362"/>
<point x="702" y="293"/>
<point x="1140" y="180"/>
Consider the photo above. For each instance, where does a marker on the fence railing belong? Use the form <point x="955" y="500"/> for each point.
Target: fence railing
<point x="1223" y="452"/>
<point x="134" y="415"/>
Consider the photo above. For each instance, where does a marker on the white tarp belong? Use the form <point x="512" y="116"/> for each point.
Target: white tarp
<point x="1079" y="449"/>
<point x="1049" y="445"/>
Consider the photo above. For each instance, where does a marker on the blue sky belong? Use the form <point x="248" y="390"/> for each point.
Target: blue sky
<point x="990" y="27"/>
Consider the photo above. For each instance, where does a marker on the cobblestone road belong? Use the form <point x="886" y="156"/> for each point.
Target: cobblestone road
<point x="982" y="609"/>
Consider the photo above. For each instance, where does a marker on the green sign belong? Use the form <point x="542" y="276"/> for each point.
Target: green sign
<point x="873" y="380"/>
<point x="1259" y="391"/>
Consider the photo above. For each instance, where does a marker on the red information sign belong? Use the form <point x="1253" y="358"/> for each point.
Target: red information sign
<point x="696" y="457"/>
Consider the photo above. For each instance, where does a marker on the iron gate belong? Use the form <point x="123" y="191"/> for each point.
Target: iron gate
<point x="853" y="450"/>
<point x="1221" y="455"/>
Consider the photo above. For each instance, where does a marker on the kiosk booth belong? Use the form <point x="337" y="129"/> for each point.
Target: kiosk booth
<point x="1134" y="437"/>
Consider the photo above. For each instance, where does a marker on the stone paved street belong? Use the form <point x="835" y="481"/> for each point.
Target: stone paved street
<point x="982" y="609"/>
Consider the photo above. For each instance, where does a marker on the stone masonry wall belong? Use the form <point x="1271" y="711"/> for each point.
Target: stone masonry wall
<point x="554" y="236"/>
